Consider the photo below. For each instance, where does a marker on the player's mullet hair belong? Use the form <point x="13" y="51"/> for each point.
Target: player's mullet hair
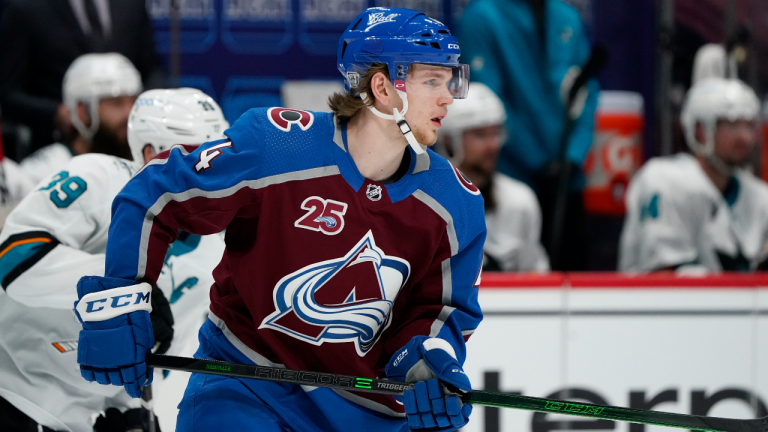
<point x="346" y="105"/>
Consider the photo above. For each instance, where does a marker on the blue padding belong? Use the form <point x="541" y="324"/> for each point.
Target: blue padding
<point x="106" y="348"/>
<point x="16" y="256"/>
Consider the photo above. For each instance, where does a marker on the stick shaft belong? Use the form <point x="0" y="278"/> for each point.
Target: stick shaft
<point x="501" y="400"/>
<point x="658" y="418"/>
<point x="319" y="379"/>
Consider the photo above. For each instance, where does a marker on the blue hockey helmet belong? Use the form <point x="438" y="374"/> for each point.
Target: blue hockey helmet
<point x="399" y="38"/>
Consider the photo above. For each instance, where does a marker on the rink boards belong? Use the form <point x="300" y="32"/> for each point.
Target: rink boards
<point x="687" y="345"/>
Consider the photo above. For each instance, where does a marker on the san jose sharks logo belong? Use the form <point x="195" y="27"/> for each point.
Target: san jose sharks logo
<point x="348" y="299"/>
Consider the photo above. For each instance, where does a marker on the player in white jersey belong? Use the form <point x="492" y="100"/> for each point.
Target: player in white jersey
<point x="702" y="212"/>
<point x="99" y="91"/>
<point x="471" y="138"/>
<point x="57" y="234"/>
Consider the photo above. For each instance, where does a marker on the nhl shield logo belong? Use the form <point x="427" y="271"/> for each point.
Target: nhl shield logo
<point x="374" y="192"/>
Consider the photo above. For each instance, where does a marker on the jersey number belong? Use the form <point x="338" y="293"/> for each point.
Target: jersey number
<point x="208" y="155"/>
<point x="325" y="216"/>
<point x="650" y="209"/>
<point x="66" y="189"/>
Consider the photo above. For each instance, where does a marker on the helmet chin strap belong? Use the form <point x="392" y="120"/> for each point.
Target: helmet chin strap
<point x="719" y="165"/>
<point x="87" y="132"/>
<point x="714" y="160"/>
<point x="399" y="118"/>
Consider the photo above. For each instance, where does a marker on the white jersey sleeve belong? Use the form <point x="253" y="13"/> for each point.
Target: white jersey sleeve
<point x="186" y="280"/>
<point x="46" y="161"/>
<point x="677" y="218"/>
<point x="514" y="228"/>
<point x="662" y="221"/>
<point x="58" y="233"/>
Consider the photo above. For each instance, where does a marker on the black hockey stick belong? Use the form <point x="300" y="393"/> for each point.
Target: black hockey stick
<point x="148" y="407"/>
<point x="597" y="59"/>
<point x="383" y="386"/>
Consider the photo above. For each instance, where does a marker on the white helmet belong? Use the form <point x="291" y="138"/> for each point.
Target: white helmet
<point x="92" y="77"/>
<point x="710" y="100"/>
<point x="481" y="108"/>
<point x="163" y="118"/>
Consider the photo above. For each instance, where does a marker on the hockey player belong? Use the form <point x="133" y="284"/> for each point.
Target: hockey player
<point x="57" y="234"/>
<point x="99" y="91"/>
<point x="471" y="137"/>
<point x="349" y="248"/>
<point x="702" y="212"/>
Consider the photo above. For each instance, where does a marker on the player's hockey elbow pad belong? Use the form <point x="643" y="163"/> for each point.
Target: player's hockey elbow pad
<point x="431" y="363"/>
<point x="117" y="331"/>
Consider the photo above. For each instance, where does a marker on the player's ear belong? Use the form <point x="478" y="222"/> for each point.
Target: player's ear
<point x="382" y="89"/>
<point x="699" y="134"/>
<point x="82" y="113"/>
<point x="149" y="152"/>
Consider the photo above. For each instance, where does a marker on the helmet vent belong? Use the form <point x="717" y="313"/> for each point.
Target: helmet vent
<point x="444" y="32"/>
<point x="426" y="35"/>
<point x="356" y="24"/>
<point x="343" y="49"/>
<point x="435" y="45"/>
<point x="178" y="131"/>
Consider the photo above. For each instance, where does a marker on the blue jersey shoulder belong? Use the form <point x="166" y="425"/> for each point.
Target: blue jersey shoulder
<point x="449" y="187"/>
<point x="284" y="140"/>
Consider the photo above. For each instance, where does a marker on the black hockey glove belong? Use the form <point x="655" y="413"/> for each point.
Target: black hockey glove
<point x="132" y="420"/>
<point x="763" y="266"/>
<point x="162" y="321"/>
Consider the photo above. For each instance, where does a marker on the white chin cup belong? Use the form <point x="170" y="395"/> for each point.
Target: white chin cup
<point x="399" y="118"/>
<point x="86" y="132"/>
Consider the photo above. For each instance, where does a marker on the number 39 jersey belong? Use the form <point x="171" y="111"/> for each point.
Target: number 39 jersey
<point x="324" y="269"/>
<point x="63" y="220"/>
<point x="56" y="235"/>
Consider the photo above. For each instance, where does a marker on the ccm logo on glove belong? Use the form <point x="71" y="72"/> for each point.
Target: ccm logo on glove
<point x="107" y="304"/>
<point x="400" y="358"/>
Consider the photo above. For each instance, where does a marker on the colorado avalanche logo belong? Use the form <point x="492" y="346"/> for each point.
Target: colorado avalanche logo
<point x="374" y="192"/>
<point x="283" y="118"/>
<point x="465" y="183"/>
<point x="348" y="299"/>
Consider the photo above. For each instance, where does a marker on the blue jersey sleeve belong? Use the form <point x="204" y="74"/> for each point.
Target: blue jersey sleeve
<point x="194" y="189"/>
<point x="460" y="318"/>
<point x="444" y="303"/>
